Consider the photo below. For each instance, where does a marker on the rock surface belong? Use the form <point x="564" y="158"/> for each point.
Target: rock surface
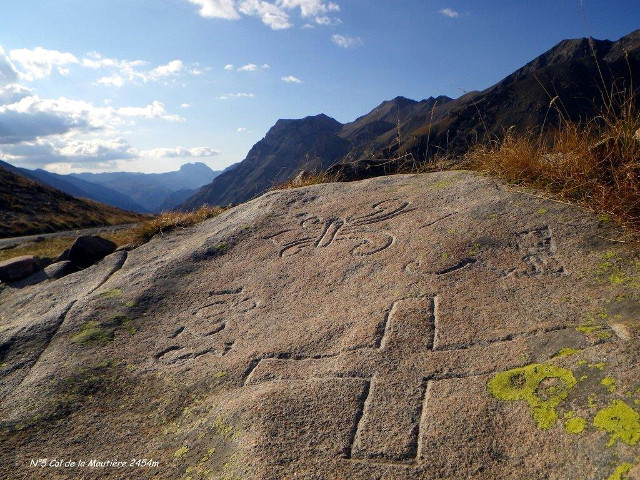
<point x="415" y="326"/>
<point x="18" y="268"/>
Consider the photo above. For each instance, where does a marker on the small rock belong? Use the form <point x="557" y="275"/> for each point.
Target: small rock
<point x="18" y="268"/>
<point x="88" y="250"/>
<point x="60" y="269"/>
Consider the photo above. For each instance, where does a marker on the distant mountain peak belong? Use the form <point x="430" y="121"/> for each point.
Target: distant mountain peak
<point x="195" y="166"/>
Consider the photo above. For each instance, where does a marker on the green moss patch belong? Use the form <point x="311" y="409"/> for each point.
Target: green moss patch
<point x="542" y="386"/>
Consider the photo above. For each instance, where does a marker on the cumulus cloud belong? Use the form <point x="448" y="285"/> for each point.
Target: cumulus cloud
<point x="449" y="12"/>
<point x="114" y="81"/>
<point x="63" y="155"/>
<point x="16" y="127"/>
<point x="227" y="96"/>
<point x="174" y="67"/>
<point x="8" y="73"/>
<point x="179" y="152"/>
<point x="271" y="14"/>
<point x="40" y="62"/>
<point x="291" y="79"/>
<point x="153" y="110"/>
<point x="13" y="93"/>
<point x="346" y="42"/>
<point x="136" y="71"/>
<point x="241" y="129"/>
<point x="32" y="117"/>
<point x="186" y="105"/>
<point x="217" y="9"/>
<point x="228" y="66"/>
<point x="250" y="67"/>
<point x="275" y="14"/>
<point x="90" y="152"/>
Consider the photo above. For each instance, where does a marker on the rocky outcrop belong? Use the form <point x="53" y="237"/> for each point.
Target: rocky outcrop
<point x="403" y="327"/>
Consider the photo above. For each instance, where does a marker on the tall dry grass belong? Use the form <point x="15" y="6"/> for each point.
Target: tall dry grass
<point x="595" y="163"/>
<point x="169" y="221"/>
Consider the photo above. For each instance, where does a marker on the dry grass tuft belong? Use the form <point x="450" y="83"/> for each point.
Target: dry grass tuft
<point x="169" y="221"/>
<point x="594" y="163"/>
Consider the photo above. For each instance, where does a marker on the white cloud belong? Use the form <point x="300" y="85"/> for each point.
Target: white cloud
<point x="31" y="117"/>
<point x="178" y="152"/>
<point x="449" y="12"/>
<point x="91" y="152"/>
<point x="228" y="66"/>
<point x="114" y="80"/>
<point x="40" y="62"/>
<point x="186" y="105"/>
<point x="174" y="67"/>
<point x="8" y="73"/>
<point x="135" y="71"/>
<point x="271" y="15"/>
<point x="241" y="129"/>
<point x="291" y="79"/>
<point x="227" y="96"/>
<point x="250" y="67"/>
<point x="347" y="42"/>
<point x="153" y="110"/>
<point x="274" y="14"/>
<point x="13" y="93"/>
<point x="217" y="9"/>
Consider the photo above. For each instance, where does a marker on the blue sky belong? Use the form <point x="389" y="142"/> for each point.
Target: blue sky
<point x="147" y="85"/>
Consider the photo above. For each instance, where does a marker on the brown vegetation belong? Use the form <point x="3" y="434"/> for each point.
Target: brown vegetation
<point x="594" y="163"/>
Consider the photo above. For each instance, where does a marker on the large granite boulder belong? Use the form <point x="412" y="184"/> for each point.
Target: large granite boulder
<point x="19" y="267"/>
<point x="440" y="326"/>
<point x="89" y="249"/>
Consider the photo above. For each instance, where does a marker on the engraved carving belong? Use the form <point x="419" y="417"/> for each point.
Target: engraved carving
<point x="400" y="369"/>
<point x="358" y="231"/>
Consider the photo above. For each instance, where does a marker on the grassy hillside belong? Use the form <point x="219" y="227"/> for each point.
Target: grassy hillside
<point x="28" y="207"/>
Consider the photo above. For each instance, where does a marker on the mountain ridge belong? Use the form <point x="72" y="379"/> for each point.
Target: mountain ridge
<point x="402" y="126"/>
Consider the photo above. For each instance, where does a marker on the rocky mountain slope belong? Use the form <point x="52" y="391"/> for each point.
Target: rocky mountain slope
<point x="27" y="206"/>
<point x="154" y="191"/>
<point x="568" y="72"/>
<point x="402" y="327"/>
<point x="290" y="146"/>
<point x="83" y="189"/>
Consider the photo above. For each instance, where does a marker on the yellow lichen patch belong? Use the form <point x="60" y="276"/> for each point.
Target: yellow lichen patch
<point x="181" y="451"/>
<point x="574" y="424"/>
<point x="621" y="421"/>
<point x="599" y="365"/>
<point x="565" y="352"/>
<point x="587" y="328"/>
<point x="610" y="383"/>
<point x="621" y="472"/>
<point x="113" y="293"/>
<point x="542" y="211"/>
<point x="542" y="386"/>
